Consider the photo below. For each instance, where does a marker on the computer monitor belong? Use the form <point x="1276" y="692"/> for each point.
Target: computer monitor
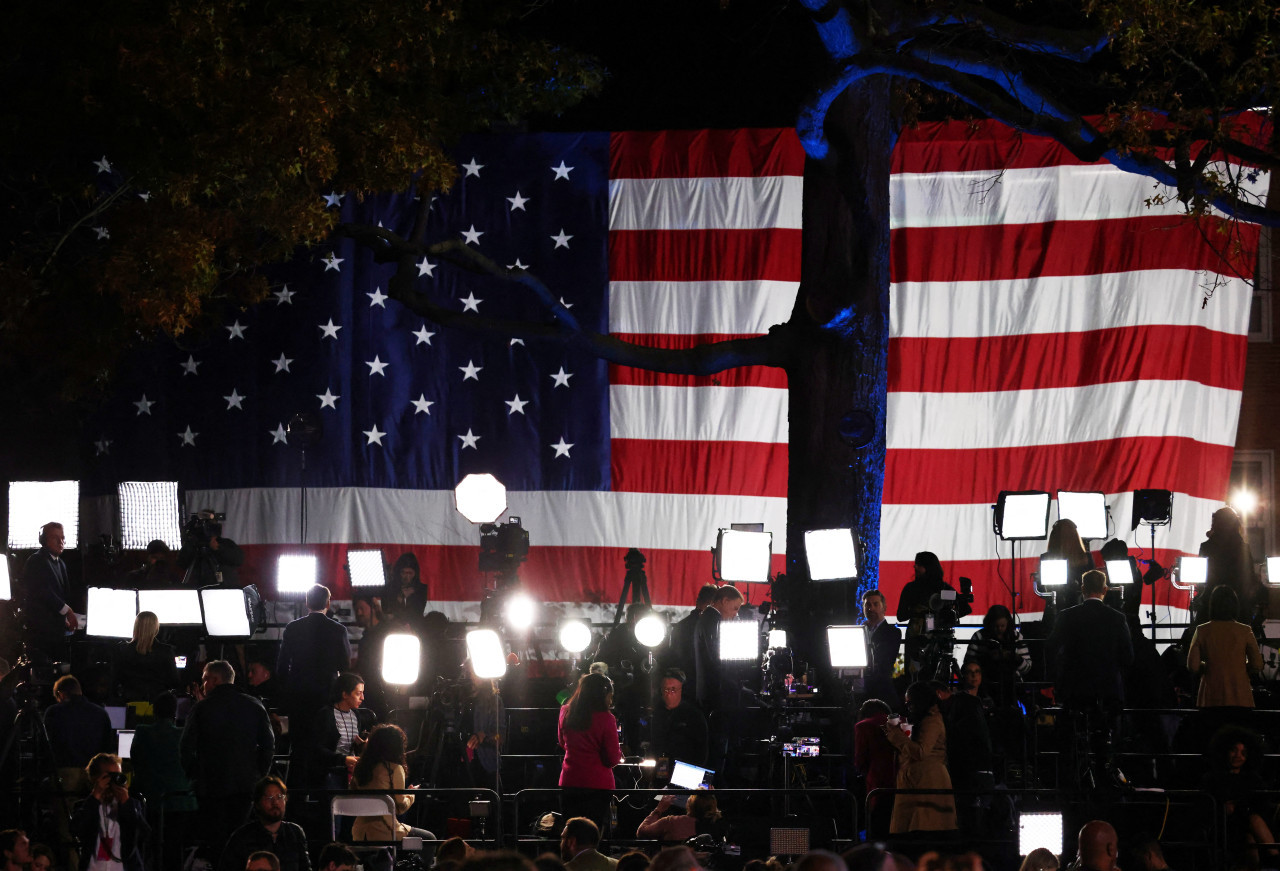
<point x="118" y="715"/>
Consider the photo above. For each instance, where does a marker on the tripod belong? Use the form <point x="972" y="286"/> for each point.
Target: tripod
<point x="636" y="583"/>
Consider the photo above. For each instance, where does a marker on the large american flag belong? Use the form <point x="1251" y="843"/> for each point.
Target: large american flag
<point x="1047" y="332"/>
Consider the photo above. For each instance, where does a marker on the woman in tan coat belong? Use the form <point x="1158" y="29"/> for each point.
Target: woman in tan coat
<point x="382" y="767"/>
<point x="1224" y="653"/>
<point x="922" y="764"/>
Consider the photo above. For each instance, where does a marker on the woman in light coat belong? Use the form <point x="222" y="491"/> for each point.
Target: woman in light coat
<point x="922" y="764"/>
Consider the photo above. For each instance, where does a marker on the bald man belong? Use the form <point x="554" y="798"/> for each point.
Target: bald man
<point x="1098" y="847"/>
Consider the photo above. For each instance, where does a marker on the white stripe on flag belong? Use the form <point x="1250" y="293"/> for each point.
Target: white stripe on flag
<point x="1068" y="304"/>
<point x="698" y="307"/>
<point x="733" y="414"/>
<point x="1019" y="418"/>
<point x="705" y="203"/>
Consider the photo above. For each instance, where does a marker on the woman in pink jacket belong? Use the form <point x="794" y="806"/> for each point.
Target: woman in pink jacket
<point x="589" y="735"/>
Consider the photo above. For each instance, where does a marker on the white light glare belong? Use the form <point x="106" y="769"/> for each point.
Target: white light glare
<point x="848" y="646"/>
<point x="225" y="613"/>
<point x="520" y="611"/>
<point x="480" y="498"/>
<point x="110" y="613"/>
<point x="650" y="630"/>
<point x="484" y="647"/>
<point x="777" y="638"/>
<point x="295" y="572"/>
<point x="1040" y="830"/>
<point x="830" y="554"/>
<point x="6" y="588"/>
<point x="1025" y="516"/>
<point x="401" y="654"/>
<point x="35" y="503"/>
<point x="1053" y="573"/>
<point x="149" y="511"/>
<point x="575" y="636"/>
<point x="739" y="640"/>
<point x="1193" y="569"/>
<point x="1244" y="501"/>
<point x="172" y="607"/>
<point x="745" y="556"/>
<point x="1273" y="570"/>
<point x="367" y="568"/>
<point x="1119" y="571"/>
<point x="1088" y="511"/>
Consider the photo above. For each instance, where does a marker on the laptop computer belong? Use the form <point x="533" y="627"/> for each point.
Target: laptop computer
<point x="687" y="776"/>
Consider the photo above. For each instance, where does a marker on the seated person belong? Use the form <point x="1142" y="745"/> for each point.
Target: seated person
<point x="701" y="817"/>
<point x="679" y="729"/>
<point x="267" y="832"/>
<point x="999" y="648"/>
<point x="144" y="667"/>
<point x="382" y="766"/>
<point x="110" y="825"/>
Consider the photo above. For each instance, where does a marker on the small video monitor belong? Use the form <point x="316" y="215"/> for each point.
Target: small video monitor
<point x="180" y="662"/>
<point x="799" y="747"/>
<point x="687" y="776"/>
<point x="124" y="743"/>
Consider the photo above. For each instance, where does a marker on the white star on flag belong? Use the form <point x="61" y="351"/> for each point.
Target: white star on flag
<point x="236" y="330"/>
<point x="328" y="399"/>
<point x="516" y="405"/>
<point x="375" y="437"/>
<point x="329" y="330"/>
<point x="562" y="240"/>
<point x="562" y="448"/>
<point x="284" y="295"/>
<point x="473" y="168"/>
<point x="515" y="342"/>
<point x="517" y="265"/>
<point x="189" y="367"/>
<point x="376" y="366"/>
<point x="279" y="435"/>
<point x="470" y="303"/>
<point x="145" y="196"/>
<point x="144" y="406"/>
<point x="561" y="378"/>
<point x="425" y="268"/>
<point x="424" y="336"/>
<point x="331" y="262"/>
<point x="421" y="405"/>
<point x="102" y="446"/>
<point x="234" y="400"/>
<point x="517" y="202"/>
<point x="103" y="232"/>
<point x="470" y="371"/>
<point x="333" y="199"/>
<point x="473" y="235"/>
<point x="567" y="305"/>
<point x="103" y="165"/>
<point x="377" y="298"/>
<point x="561" y="171"/>
<point x="469" y="440"/>
<point x="188" y="437"/>
<point x="282" y="364"/>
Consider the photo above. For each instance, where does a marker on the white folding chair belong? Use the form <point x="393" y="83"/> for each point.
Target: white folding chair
<point x="372" y="805"/>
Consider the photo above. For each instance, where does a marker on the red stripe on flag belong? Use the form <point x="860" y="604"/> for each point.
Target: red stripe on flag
<point x="1048" y="360"/>
<point x="992" y="581"/>
<point x="705" y="154"/>
<point x="740" y="376"/>
<point x="553" y="574"/>
<point x="721" y="468"/>
<point x="968" y="477"/>
<point x="1003" y="251"/>
<point x="704" y="255"/>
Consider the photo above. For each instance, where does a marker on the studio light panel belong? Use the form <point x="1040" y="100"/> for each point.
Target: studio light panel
<point x="172" y="607"/>
<point x="401" y="654"/>
<point x="744" y="557"/>
<point x="149" y="511"/>
<point x="1036" y="830"/>
<point x="1193" y="569"/>
<point x="1087" y="510"/>
<point x="295" y="572"/>
<point x="831" y="554"/>
<point x="739" y="641"/>
<point x="367" y="568"/>
<point x="110" y="613"/>
<point x="225" y="613"/>
<point x="1022" y="515"/>
<point x="488" y="659"/>
<point x="1273" y="570"/>
<point x="848" y="646"/>
<point x="6" y="586"/>
<point x="32" y="504"/>
<point x="1053" y="573"/>
<point x="1119" y="572"/>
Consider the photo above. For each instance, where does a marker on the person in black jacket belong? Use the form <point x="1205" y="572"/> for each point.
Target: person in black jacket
<point x="267" y="831"/>
<point x="716" y="694"/>
<point x="680" y="645"/>
<point x="226" y="748"/>
<point x="109" y="824"/>
<point x="144" y="667"/>
<point x="313" y="651"/>
<point x="45" y="592"/>
<point x="212" y="561"/>
<point x="679" y="728"/>
<point x="340" y="731"/>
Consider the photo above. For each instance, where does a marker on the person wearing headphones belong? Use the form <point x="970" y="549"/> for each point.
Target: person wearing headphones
<point x="46" y="590"/>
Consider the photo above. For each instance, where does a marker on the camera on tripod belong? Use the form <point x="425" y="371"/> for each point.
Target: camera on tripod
<point x="202" y="527"/>
<point x="939" y="638"/>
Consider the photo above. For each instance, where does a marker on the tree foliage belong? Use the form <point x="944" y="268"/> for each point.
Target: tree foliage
<point x="224" y="123"/>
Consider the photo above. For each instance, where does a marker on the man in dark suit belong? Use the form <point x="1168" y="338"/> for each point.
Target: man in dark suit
<point x="883" y="641"/>
<point x="1087" y="653"/>
<point x="46" y="590"/>
<point x="226" y="749"/>
<point x="715" y="694"/>
<point x="680" y="648"/>
<point x="313" y="651"/>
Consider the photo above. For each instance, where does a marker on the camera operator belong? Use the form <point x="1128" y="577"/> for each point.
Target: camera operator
<point x="915" y="604"/>
<point x="110" y="825"/>
<point x="208" y="558"/>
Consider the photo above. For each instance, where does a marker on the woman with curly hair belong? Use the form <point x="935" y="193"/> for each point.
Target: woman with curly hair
<point x="382" y="766"/>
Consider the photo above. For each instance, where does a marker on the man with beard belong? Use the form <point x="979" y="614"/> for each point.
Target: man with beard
<point x="267" y="831"/>
<point x="578" y="844"/>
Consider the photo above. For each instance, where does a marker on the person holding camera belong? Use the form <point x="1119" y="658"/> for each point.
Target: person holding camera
<point x="209" y="559"/>
<point x="110" y="825"/>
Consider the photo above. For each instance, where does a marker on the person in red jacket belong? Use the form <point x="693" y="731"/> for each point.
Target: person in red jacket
<point x="588" y="733"/>
<point x="876" y="761"/>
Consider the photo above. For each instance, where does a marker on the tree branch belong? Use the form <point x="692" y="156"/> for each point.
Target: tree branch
<point x="1072" y="45"/>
